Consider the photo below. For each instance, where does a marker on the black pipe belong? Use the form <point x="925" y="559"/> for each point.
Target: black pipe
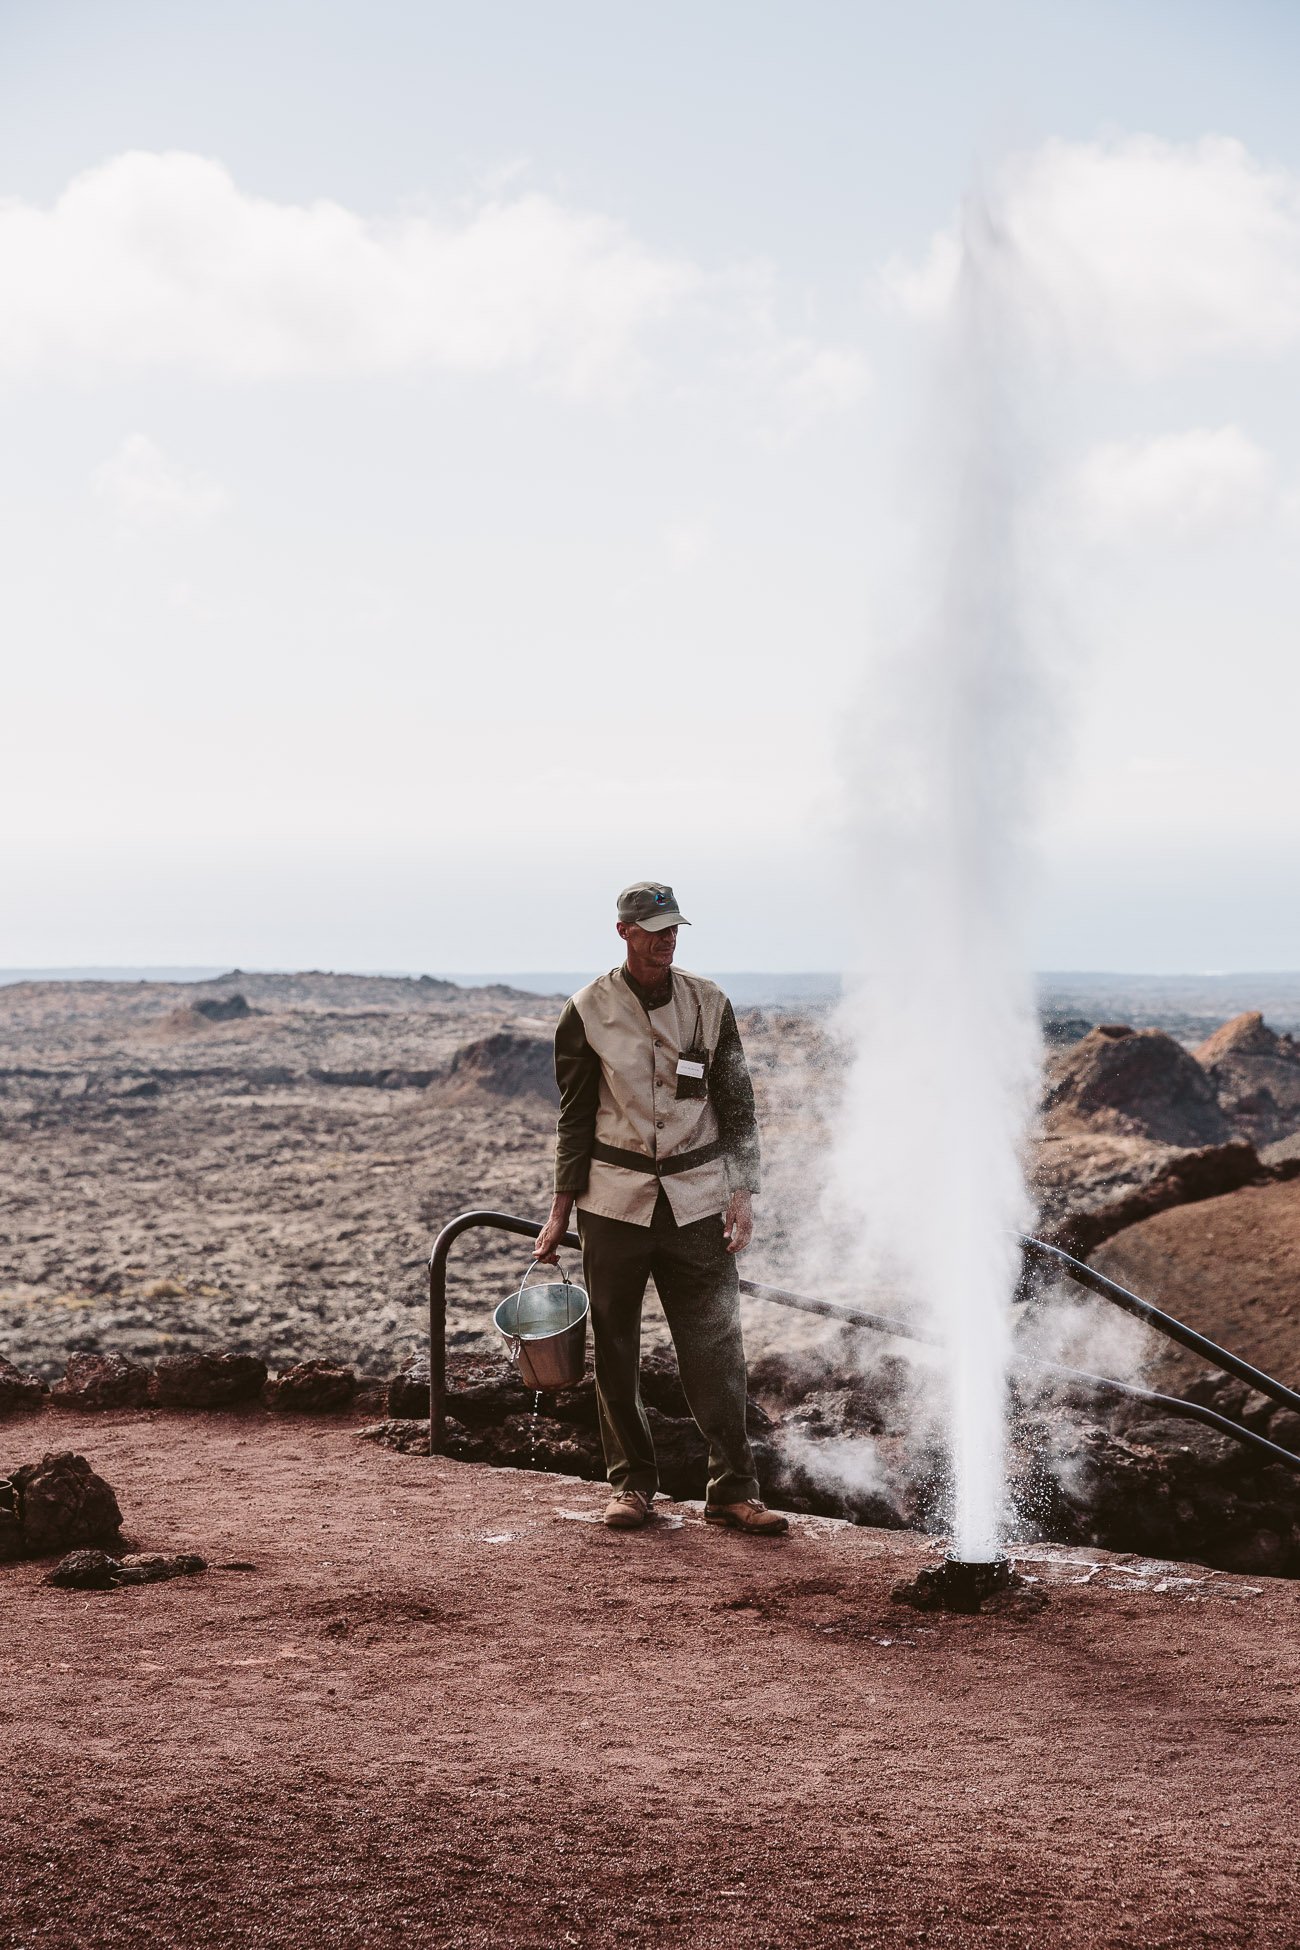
<point x="1174" y="1330"/>
<point x="1171" y="1404"/>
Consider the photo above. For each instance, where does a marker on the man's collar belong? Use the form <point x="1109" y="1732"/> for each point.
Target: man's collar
<point x="650" y="998"/>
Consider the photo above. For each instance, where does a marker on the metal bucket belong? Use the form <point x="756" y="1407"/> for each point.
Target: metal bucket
<point x="545" y="1328"/>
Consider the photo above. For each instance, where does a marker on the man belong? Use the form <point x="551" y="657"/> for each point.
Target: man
<point x="658" y="1149"/>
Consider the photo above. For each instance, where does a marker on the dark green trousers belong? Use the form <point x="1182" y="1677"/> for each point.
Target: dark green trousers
<point x="696" y="1279"/>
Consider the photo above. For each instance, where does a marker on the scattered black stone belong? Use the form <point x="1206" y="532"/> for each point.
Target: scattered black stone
<point x="83" y="1571"/>
<point x="93" y="1570"/>
<point x="154" y="1567"/>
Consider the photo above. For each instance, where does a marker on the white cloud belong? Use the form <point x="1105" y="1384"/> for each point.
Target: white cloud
<point x="1178" y="487"/>
<point x="1142" y="250"/>
<point x="687" y="542"/>
<point x="146" y="490"/>
<point x="163" y="260"/>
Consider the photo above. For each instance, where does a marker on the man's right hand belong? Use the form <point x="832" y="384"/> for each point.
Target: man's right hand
<point x="551" y="1236"/>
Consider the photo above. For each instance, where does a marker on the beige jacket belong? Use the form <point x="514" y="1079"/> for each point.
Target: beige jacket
<point x="617" y="1068"/>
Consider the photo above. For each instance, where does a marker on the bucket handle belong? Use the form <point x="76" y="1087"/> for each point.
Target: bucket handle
<point x="564" y="1278"/>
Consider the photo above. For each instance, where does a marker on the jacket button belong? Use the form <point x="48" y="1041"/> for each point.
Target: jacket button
<point x="659" y="1126"/>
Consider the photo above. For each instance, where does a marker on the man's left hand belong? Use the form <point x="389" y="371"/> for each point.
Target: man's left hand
<point x="738" y="1221"/>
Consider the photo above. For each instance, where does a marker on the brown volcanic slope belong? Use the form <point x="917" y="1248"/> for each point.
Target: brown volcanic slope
<point x="1229" y="1267"/>
<point x="439" y="1710"/>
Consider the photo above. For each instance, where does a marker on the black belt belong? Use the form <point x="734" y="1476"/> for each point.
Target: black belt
<point x="608" y="1154"/>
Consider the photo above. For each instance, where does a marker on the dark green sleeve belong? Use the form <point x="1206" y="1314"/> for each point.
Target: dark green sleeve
<point x="733" y="1100"/>
<point x="577" y="1072"/>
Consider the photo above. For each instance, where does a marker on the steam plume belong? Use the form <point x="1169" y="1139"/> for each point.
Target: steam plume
<point x="940" y="771"/>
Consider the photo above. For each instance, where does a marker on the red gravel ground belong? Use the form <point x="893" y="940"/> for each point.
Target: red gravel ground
<point x="438" y="1711"/>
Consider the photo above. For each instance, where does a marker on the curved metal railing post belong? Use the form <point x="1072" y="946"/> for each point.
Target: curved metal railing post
<point x="442" y="1245"/>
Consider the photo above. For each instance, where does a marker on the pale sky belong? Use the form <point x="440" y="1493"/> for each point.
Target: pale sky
<point x="459" y="459"/>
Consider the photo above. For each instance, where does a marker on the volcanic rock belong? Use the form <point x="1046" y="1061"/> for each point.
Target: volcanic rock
<point x="1092" y="1185"/>
<point x="92" y="1570"/>
<point x="507" y="1064"/>
<point x="970" y="1588"/>
<point x="527" y="1442"/>
<point x="410" y="1437"/>
<point x="18" y="1390"/>
<point x="101" y="1381"/>
<point x="408" y="1391"/>
<point x="60" y="1503"/>
<point x="155" y="1567"/>
<point x="1257" y="1075"/>
<point x="84" y="1571"/>
<point x="1140" y="1083"/>
<point x="212" y="1379"/>
<point x="11" y="1523"/>
<point x="313" y="1387"/>
<point x="1284" y="1429"/>
<point x="217" y="1008"/>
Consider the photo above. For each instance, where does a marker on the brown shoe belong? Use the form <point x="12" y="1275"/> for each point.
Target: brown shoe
<point x="628" y="1510"/>
<point x="751" y="1515"/>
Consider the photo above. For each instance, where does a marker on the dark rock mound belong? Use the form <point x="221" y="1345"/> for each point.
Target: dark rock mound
<point x="214" y="1379"/>
<point x="971" y="1588"/>
<point x="222" y="1008"/>
<point x="18" y="1390"/>
<point x="101" y="1381"/>
<point x="508" y="1064"/>
<point x="55" y="1505"/>
<point x="1138" y="1082"/>
<point x="313" y="1388"/>
<point x="1257" y="1075"/>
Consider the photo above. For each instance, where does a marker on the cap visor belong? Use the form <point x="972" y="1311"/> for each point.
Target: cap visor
<point x="656" y="923"/>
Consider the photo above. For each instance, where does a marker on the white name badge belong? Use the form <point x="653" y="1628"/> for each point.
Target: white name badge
<point x="685" y="1068"/>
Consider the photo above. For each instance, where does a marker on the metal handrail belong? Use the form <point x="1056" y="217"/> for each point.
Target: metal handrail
<point x="900" y="1329"/>
<point x="1174" y="1330"/>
